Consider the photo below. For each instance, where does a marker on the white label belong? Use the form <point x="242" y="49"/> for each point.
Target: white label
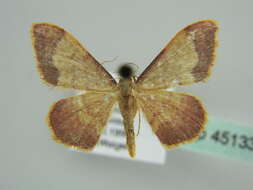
<point x="113" y="141"/>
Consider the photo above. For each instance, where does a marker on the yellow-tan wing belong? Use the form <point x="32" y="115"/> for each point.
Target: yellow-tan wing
<point x="175" y="118"/>
<point x="187" y="58"/>
<point x="63" y="61"/>
<point x="78" y="121"/>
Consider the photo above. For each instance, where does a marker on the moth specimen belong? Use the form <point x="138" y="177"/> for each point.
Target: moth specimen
<point x="79" y="121"/>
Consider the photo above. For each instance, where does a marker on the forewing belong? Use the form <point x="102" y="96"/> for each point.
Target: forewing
<point x="175" y="118"/>
<point x="63" y="61"/>
<point x="187" y="58"/>
<point x="78" y="121"/>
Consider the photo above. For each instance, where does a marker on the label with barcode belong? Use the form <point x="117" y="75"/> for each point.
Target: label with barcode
<point x="225" y="138"/>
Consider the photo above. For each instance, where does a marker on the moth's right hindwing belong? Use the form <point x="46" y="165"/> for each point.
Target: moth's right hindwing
<point x="175" y="118"/>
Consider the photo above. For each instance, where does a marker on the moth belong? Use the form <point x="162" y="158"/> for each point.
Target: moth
<point x="78" y="121"/>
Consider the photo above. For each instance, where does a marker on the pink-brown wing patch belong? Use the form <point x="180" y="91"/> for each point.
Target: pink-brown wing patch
<point x="63" y="61"/>
<point x="175" y="118"/>
<point x="78" y="121"/>
<point x="188" y="58"/>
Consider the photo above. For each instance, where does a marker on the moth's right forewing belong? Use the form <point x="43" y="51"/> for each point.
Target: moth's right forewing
<point x="63" y="61"/>
<point x="186" y="59"/>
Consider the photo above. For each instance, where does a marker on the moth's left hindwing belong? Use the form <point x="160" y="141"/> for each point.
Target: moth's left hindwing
<point x="79" y="121"/>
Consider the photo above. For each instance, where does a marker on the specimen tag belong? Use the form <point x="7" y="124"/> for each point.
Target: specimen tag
<point x="113" y="141"/>
<point x="225" y="138"/>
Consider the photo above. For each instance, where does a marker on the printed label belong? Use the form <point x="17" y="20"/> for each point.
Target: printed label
<point x="113" y="141"/>
<point x="226" y="139"/>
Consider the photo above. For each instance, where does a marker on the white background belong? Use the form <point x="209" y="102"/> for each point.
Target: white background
<point x="135" y="31"/>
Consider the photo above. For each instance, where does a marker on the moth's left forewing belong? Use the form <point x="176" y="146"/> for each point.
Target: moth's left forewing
<point x="62" y="61"/>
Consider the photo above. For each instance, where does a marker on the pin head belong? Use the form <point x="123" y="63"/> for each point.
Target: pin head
<point x="126" y="71"/>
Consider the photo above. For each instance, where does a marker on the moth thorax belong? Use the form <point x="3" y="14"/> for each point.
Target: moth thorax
<point x="126" y="71"/>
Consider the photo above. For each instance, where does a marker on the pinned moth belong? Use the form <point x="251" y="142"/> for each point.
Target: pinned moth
<point x="175" y="118"/>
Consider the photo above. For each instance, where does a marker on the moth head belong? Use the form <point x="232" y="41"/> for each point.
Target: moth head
<point x="127" y="70"/>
